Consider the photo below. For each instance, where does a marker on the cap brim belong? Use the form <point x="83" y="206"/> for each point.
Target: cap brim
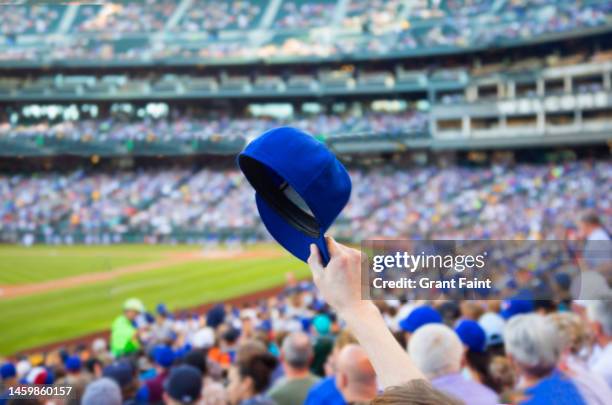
<point x="296" y="242"/>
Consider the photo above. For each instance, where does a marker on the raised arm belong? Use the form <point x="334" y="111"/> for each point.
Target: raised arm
<point x="340" y="285"/>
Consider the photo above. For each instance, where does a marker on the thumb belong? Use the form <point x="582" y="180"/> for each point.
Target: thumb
<point x="314" y="260"/>
<point x="332" y="246"/>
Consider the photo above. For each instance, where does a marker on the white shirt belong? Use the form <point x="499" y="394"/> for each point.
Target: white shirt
<point x="602" y="363"/>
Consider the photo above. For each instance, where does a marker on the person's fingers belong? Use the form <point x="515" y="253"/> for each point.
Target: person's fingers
<point x="314" y="260"/>
<point x="333" y="247"/>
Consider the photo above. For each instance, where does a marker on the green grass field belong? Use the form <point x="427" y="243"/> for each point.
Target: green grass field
<point x="60" y="314"/>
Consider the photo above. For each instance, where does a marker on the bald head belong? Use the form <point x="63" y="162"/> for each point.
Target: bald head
<point x="355" y="378"/>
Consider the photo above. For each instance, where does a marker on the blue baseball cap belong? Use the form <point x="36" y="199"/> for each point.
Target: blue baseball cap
<point x="300" y="188"/>
<point x="121" y="371"/>
<point x="418" y="317"/>
<point x="520" y="304"/>
<point x="73" y="363"/>
<point x="163" y="355"/>
<point x="184" y="384"/>
<point x="472" y="335"/>
<point x="8" y="370"/>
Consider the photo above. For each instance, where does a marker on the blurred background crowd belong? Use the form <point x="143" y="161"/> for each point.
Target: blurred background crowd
<point x="123" y="30"/>
<point x="498" y="202"/>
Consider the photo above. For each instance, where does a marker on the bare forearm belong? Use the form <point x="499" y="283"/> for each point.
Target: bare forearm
<point x="391" y="362"/>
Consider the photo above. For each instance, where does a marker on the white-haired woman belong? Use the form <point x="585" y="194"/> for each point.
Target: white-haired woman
<point x="534" y="347"/>
<point x="576" y="340"/>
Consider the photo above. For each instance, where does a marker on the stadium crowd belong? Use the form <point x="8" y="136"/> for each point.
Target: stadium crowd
<point x="323" y="345"/>
<point x="522" y="201"/>
<point x="187" y="129"/>
<point x="376" y="27"/>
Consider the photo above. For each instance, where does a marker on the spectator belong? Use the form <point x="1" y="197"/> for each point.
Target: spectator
<point x="572" y="330"/>
<point x="104" y="391"/>
<point x="534" y="347"/>
<point x="213" y="392"/>
<point x="600" y="315"/>
<point x="164" y="358"/>
<point x="75" y="378"/>
<point x="123" y="373"/>
<point x="437" y="351"/>
<point x="183" y="386"/>
<point x="296" y="357"/>
<point x="356" y="378"/>
<point x="326" y="391"/>
<point x="124" y="336"/>
<point x="477" y="359"/>
<point x="323" y="343"/>
<point x="249" y="379"/>
<point x="8" y="378"/>
<point x="417" y="318"/>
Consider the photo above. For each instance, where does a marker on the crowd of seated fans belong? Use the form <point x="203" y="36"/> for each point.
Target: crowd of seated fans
<point x="501" y="202"/>
<point x="294" y="348"/>
<point x="382" y="27"/>
<point x="187" y="129"/>
<point x="124" y="17"/>
<point x="207" y="15"/>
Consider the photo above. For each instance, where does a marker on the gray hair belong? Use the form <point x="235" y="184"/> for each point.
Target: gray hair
<point x="534" y="343"/>
<point x="102" y="392"/>
<point x="436" y="350"/>
<point x="600" y="311"/>
<point x="297" y="350"/>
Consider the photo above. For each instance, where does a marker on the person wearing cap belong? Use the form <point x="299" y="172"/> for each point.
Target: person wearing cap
<point x="323" y="343"/>
<point x="519" y="304"/>
<point x="183" y="386"/>
<point x="161" y="330"/>
<point x="439" y="354"/>
<point x="75" y="378"/>
<point x="123" y="373"/>
<point x="477" y="360"/>
<point x="104" y="391"/>
<point x="493" y="325"/>
<point x="534" y="346"/>
<point x="296" y="357"/>
<point x="124" y="335"/>
<point x="8" y="378"/>
<point x="164" y="358"/>
<point x="213" y="392"/>
<point x="417" y="318"/>
<point x="326" y="391"/>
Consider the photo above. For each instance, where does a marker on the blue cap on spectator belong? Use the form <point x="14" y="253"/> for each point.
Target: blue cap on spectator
<point x="73" y="363"/>
<point x="516" y="306"/>
<point x="161" y="309"/>
<point x="418" y="317"/>
<point x="163" y="355"/>
<point x="472" y="335"/>
<point x="184" y="384"/>
<point x="216" y="316"/>
<point x="8" y="370"/>
<point x="121" y="371"/>
<point x="300" y="188"/>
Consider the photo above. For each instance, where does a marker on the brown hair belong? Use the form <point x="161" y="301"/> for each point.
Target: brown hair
<point x="414" y="392"/>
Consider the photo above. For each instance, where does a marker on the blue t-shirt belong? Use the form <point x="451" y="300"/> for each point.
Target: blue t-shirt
<point x="557" y="389"/>
<point x="325" y="392"/>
